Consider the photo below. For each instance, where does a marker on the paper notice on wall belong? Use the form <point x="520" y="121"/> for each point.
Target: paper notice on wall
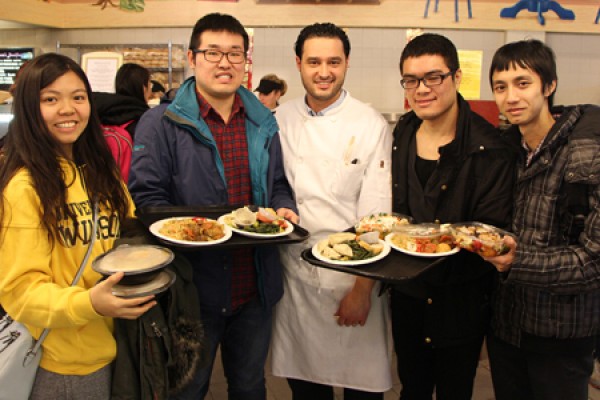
<point x="101" y="69"/>
<point x="470" y="64"/>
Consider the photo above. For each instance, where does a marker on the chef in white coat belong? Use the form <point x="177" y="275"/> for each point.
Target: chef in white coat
<point x="331" y="328"/>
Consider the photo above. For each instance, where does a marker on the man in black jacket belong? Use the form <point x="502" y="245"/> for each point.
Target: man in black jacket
<point x="448" y="165"/>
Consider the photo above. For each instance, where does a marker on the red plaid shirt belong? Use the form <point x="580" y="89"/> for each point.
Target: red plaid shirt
<point x="233" y="149"/>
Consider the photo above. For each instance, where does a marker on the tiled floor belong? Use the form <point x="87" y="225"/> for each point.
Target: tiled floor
<point x="277" y="388"/>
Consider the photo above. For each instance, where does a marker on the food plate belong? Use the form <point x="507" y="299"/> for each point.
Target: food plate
<point x="224" y="218"/>
<point x="162" y="282"/>
<point x="381" y="222"/>
<point x="384" y="252"/>
<point x="155" y="230"/>
<point x="388" y="240"/>
<point x="479" y="238"/>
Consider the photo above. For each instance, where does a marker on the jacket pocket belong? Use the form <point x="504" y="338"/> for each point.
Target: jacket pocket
<point x="154" y="358"/>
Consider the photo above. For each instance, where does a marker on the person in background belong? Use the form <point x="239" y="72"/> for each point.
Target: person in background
<point x="133" y="90"/>
<point x="546" y="307"/>
<point x="8" y="98"/>
<point x="215" y="144"/>
<point x="448" y="165"/>
<point x="122" y="110"/>
<point x="169" y="96"/>
<point x="55" y="165"/>
<point x="270" y="89"/>
<point x="331" y="328"/>
<point x="158" y="90"/>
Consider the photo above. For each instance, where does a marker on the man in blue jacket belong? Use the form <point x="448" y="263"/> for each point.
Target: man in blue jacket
<point x="216" y="144"/>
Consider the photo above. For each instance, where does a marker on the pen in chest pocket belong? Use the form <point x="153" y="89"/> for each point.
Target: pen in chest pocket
<point x="348" y="152"/>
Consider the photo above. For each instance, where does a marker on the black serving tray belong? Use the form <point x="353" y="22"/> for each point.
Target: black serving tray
<point x="149" y="215"/>
<point x="395" y="268"/>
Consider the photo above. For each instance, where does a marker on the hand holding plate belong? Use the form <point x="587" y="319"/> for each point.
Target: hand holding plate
<point x="504" y="262"/>
<point x="109" y="305"/>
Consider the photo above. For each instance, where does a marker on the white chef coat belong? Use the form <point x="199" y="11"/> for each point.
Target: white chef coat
<point x="338" y="166"/>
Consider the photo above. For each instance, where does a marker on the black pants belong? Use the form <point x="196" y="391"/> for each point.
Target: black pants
<point x="304" y="390"/>
<point x="421" y="366"/>
<point x="531" y="374"/>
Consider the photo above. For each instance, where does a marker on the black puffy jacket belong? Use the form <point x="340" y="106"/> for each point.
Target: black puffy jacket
<point x="159" y="353"/>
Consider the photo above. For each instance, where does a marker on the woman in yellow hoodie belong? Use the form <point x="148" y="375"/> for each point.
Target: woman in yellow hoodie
<point x="55" y="162"/>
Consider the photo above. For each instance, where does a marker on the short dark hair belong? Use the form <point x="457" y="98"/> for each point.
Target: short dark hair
<point x="131" y="80"/>
<point x="217" y="22"/>
<point x="434" y="45"/>
<point x="325" y="30"/>
<point x="530" y="54"/>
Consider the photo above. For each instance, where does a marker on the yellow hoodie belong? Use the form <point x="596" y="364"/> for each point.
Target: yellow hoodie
<point x="35" y="277"/>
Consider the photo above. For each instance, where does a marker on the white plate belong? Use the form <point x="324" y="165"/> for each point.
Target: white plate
<point x="155" y="230"/>
<point x="388" y="239"/>
<point x="290" y="228"/>
<point x="350" y="263"/>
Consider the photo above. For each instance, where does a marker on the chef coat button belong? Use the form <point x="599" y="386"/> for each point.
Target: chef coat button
<point x="427" y="340"/>
<point x="444" y="187"/>
<point x="437" y="221"/>
<point x="482" y="148"/>
<point x="300" y="201"/>
<point x="430" y="301"/>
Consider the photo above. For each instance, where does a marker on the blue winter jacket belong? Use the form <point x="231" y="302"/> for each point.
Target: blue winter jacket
<point x="175" y="161"/>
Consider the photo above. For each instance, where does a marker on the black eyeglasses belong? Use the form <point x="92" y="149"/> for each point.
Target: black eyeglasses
<point x="215" y="56"/>
<point x="428" y="80"/>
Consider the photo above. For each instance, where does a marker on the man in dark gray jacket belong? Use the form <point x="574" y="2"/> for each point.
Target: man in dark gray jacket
<point x="547" y="306"/>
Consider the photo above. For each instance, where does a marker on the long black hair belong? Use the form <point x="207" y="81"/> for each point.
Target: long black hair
<point x="29" y="145"/>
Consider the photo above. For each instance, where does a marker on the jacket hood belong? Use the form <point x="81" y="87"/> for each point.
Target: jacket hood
<point x="185" y="105"/>
<point x="116" y="109"/>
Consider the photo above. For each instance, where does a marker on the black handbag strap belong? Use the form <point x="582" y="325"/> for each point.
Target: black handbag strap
<point x="32" y="352"/>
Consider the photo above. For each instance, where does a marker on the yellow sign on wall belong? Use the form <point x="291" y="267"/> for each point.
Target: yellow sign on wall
<point x="470" y="64"/>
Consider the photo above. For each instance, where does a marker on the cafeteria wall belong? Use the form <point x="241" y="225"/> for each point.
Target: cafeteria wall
<point x="373" y="76"/>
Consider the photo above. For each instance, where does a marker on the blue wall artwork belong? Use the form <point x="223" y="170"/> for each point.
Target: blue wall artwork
<point x="540" y="7"/>
<point x="455" y="8"/>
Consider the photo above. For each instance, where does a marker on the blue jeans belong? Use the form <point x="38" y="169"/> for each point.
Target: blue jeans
<point x="244" y="338"/>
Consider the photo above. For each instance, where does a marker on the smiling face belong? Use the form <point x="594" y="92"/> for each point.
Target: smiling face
<point x="217" y="81"/>
<point x="430" y="103"/>
<point x="323" y="69"/>
<point x="65" y="108"/>
<point x="521" y="97"/>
